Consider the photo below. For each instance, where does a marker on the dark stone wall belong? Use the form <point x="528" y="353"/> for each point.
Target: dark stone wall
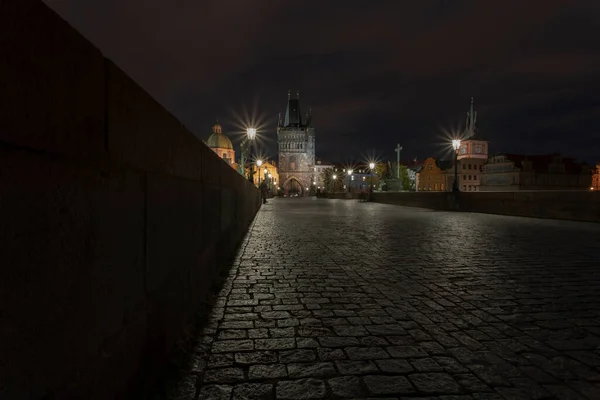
<point x="567" y="205"/>
<point x="114" y="219"/>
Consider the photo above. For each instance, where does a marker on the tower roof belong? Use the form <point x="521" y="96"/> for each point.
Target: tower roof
<point x="470" y="127"/>
<point x="293" y="116"/>
<point x="217" y="140"/>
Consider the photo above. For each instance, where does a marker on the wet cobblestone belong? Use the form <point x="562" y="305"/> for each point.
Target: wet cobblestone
<point x="341" y="299"/>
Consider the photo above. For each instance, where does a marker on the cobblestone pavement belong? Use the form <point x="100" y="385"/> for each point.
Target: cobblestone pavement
<point x="341" y="299"/>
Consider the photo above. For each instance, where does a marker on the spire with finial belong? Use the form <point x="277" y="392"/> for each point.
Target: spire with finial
<point x="471" y="120"/>
<point x="289" y="94"/>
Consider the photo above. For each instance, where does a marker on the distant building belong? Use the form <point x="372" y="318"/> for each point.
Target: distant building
<point x="472" y="155"/>
<point x="296" y="137"/>
<point x="596" y="178"/>
<point x="220" y="144"/>
<point x="320" y="167"/>
<point x="271" y="169"/>
<point x="433" y="176"/>
<point x="511" y="172"/>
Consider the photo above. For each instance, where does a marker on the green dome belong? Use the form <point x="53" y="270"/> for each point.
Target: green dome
<point x="218" y="140"/>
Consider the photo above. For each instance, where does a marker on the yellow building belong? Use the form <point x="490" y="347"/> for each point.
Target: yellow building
<point x="220" y="144"/>
<point x="433" y="177"/>
<point x="271" y="168"/>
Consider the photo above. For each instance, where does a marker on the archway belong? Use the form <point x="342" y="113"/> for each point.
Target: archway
<point x="292" y="187"/>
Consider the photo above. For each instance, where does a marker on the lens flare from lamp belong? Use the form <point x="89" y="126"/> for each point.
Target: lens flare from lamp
<point x="372" y="165"/>
<point x="259" y="162"/>
<point x="350" y="172"/>
<point x="251" y="133"/>
<point x="455" y="144"/>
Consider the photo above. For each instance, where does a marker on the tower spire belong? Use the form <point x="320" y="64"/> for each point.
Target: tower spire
<point x="298" y="94"/>
<point x="289" y="94"/>
<point x="471" y="120"/>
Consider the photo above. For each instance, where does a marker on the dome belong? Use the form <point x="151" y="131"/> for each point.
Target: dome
<point x="218" y="140"/>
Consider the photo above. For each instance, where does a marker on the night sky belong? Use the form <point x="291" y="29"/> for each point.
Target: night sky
<point x="374" y="72"/>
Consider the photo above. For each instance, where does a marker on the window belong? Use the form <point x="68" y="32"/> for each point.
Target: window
<point x="224" y="155"/>
<point x="464" y="166"/>
<point x="464" y="177"/>
<point x="469" y="166"/>
<point x="469" y="177"/>
<point x="435" y="186"/>
<point x="442" y="187"/>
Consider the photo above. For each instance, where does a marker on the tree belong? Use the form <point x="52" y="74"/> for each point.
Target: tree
<point x="404" y="178"/>
<point x="382" y="170"/>
<point x="332" y="185"/>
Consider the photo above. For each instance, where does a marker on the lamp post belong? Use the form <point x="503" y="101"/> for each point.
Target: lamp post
<point x="247" y="149"/>
<point x="349" y="179"/>
<point x="371" y="167"/>
<point x="258" y="164"/>
<point x="455" y="147"/>
<point x="334" y="178"/>
<point x="270" y="183"/>
<point x="266" y="171"/>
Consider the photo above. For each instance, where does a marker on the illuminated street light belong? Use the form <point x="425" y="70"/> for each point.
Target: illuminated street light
<point x="258" y="164"/>
<point x="251" y="133"/>
<point x="455" y="147"/>
<point x="246" y="147"/>
<point x="371" y="167"/>
<point x="349" y="172"/>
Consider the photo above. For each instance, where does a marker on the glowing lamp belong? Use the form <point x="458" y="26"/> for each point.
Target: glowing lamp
<point x="251" y="133"/>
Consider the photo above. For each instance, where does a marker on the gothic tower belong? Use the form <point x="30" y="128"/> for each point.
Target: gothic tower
<point x="296" y="138"/>
<point x="472" y="154"/>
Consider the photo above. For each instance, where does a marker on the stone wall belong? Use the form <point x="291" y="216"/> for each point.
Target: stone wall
<point x="569" y="205"/>
<point x="115" y="218"/>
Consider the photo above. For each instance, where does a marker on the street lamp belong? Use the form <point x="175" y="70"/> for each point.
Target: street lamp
<point x="258" y="164"/>
<point x="371" y="167"/>
<point x="247" y="150"/>
<point x="334" y="177"/>
<point x="349" y="178"/>
<point x="455" y="147"/>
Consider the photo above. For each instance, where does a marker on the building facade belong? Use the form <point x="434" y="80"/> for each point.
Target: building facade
<point x="511" y="172"/>
<point x="320" y="167"/>
<point x="271" y="174"/>
<point x="472" y="155"/>
<point x="596" y="178"/>
<point x="432" y="177"/>
<point x="220" y="144"/>
<point x="296" y="138"/>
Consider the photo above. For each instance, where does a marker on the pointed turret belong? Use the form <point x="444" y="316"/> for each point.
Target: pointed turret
<point x="293" y="117"/>
<point x="470" y="128"/>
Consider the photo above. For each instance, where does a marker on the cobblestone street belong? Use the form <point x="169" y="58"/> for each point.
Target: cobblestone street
<point x="341" y="299"/>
